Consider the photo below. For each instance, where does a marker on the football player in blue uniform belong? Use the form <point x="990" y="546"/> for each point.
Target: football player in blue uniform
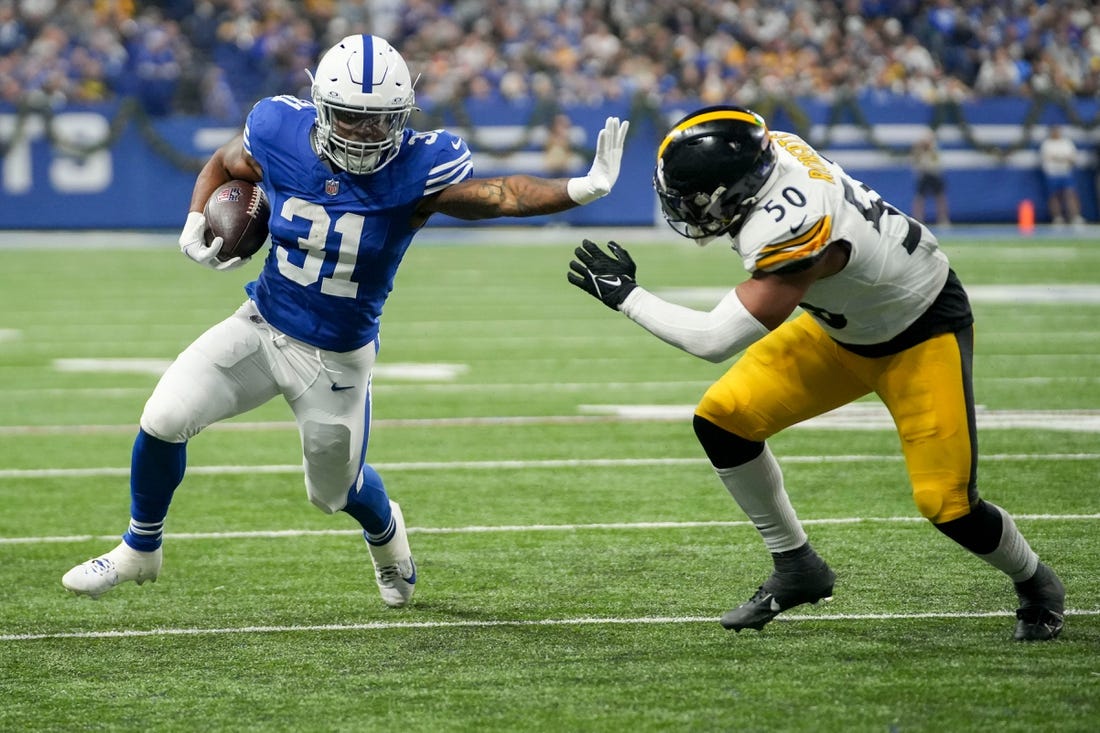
<point x="882" y="312"/>
<point x="349" y="185"/>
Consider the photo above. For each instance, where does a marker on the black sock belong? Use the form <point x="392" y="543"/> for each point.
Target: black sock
<point x="794" y="559"/>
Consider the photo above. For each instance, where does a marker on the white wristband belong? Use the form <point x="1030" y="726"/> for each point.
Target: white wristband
<point x="193" y="229"/>
<point x="582" y="191"/>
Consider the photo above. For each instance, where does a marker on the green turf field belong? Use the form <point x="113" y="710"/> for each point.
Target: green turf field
<point x="574" y="548"/>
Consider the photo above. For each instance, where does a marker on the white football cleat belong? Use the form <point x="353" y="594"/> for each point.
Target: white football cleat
<point x="100" y="574"/>
<point x="394" y="569"/>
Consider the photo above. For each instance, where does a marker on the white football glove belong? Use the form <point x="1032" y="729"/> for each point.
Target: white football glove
<point x="193" y="244"/>
<point x="605" y="168"/>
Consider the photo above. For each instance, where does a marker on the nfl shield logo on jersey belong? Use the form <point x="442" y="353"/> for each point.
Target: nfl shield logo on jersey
<point x="332" y="187"/>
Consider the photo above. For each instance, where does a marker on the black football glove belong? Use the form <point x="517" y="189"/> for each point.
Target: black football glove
<point x="607" y="277"/>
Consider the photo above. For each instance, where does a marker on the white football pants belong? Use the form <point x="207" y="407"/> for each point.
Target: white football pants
<point x="243" y="362"/>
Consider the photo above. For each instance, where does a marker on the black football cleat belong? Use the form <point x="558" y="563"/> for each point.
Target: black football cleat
<point x="1041" y="614"/>
<point x="782" y="591"/>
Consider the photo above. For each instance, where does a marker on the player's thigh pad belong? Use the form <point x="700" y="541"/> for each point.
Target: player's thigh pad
<point x="330" y="464"/>
<point x="222" y="373"/>
<point x="928" y="392"/>
<point x="334" y="425"/>
<point x="793" y="373"/>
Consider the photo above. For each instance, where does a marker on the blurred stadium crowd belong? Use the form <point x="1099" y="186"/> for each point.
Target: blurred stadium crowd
<point x="216" y="57"/>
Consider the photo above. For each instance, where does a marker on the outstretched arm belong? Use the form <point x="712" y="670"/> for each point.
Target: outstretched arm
<point x="747" y="313"/>
<point x="522" y="195"/>
<point x="488" y="198"/>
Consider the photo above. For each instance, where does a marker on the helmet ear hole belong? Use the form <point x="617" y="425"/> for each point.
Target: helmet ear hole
<point x="710" y="167"/>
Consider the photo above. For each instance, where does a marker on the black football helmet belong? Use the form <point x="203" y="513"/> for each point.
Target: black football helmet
<point x="710" y="167"/>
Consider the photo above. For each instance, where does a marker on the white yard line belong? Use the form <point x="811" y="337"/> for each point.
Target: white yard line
<point x="867" y="415"/>
<point x="476" y="529"/>
<point x="33" y="473"/>
<point x="499" y="623"/>
<point x="855" y="416"/>
<point x="384" y="387"/>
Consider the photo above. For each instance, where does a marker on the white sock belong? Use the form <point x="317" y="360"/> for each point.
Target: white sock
<point x="757" y="487"/>
<point x="1013" y="556"/>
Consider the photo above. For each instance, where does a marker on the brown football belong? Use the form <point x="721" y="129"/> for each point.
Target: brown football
<point x="237" y="212"/>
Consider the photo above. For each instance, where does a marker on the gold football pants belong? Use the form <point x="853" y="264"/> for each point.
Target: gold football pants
<point x="797" y="372"/>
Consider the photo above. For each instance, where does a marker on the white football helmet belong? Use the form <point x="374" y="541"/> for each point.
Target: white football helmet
<point x="363" y="94"/>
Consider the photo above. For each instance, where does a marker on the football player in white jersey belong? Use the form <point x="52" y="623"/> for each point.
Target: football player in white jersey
<point x="349" y="186"/>
<point x="883" y="313"/>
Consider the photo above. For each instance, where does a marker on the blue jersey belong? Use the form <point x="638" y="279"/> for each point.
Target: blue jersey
<point x="337" y="238"/>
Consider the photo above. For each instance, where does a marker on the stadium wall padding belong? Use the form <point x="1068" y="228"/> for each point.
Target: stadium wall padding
<point x="111" y="167"/>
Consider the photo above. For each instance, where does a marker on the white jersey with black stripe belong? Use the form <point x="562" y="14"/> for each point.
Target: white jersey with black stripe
<point x="895" y="269"/>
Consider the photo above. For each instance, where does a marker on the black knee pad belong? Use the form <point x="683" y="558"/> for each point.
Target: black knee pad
<point x="979" y="531"/>
<point x="723" y="448"/>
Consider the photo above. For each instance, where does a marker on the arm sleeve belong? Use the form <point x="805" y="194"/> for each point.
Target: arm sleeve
<point x="715" y="336"/>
